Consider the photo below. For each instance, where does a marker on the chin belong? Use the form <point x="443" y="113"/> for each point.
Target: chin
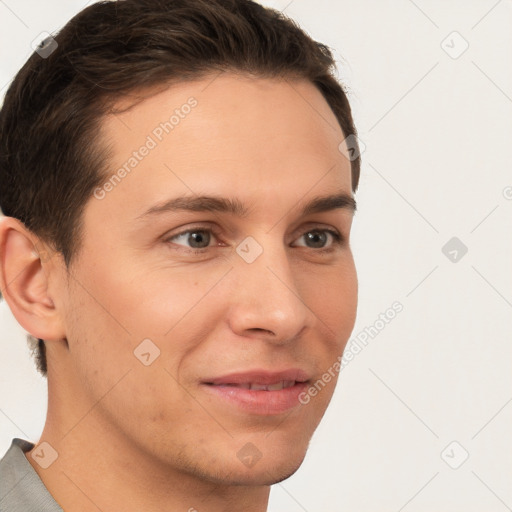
<point x="264" y="472"/>
<point x="253" y="477"/>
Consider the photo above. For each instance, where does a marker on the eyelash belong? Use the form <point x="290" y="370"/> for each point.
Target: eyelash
<point x="338" y="239"/>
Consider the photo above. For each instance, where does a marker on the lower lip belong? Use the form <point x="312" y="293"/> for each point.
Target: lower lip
<point x="260" y="402"/>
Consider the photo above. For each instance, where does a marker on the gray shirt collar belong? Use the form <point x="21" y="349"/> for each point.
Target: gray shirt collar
<point x="21" y="489"/>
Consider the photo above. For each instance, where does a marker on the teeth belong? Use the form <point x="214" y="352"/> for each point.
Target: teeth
<point x="275" y="387"/>
<point x="245" y="386"/>
<point x="264" y="387"/>
<point x="272" y="387"/>
<point x="259" y="387"/>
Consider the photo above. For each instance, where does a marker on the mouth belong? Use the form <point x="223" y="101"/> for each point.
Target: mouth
<point x="259" y="392"/>
<point x="255" y="386"/>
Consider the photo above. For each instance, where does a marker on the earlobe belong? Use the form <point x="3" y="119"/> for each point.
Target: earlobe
<point x="24" y="281"/>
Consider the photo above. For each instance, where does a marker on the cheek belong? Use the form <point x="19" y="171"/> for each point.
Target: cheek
<point x="333" y="297"/>
<point x="114" y="380"/>
<point x="346" y="302"/>
<point x="175" y="305"/>
<point x="140" y="299"/>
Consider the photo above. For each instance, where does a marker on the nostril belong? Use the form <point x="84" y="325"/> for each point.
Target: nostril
<point x="259" y="329"/>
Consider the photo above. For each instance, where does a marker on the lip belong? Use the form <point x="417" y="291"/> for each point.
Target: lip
<point x="261" y="402"/>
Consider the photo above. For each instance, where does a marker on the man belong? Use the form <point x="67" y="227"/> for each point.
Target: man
<point x="177" y="185"/>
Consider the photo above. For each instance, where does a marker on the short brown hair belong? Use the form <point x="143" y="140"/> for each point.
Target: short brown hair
<point x="51" y="156"/>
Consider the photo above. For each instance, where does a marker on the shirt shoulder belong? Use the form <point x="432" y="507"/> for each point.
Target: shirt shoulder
<point x="21" y="489"/>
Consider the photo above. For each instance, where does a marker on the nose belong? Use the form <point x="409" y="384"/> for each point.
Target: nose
<point x="266" y="301"/>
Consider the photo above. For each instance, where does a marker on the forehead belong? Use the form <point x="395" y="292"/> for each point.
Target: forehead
<point x="227" y="133"/>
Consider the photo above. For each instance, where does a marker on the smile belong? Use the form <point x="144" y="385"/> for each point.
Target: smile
<point x="262" y="387"/>
<point x="258" y="392"/>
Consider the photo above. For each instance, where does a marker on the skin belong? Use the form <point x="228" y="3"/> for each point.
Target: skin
<point x="134" y="437"/>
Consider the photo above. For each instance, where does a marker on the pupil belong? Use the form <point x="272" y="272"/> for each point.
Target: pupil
<point x="314" y="236"/>
<point x="200" y="238"/>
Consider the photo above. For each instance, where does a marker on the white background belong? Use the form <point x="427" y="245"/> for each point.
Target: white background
<point x="438" y="134"/>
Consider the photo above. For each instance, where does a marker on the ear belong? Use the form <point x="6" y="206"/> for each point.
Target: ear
<point x="24" y="271"/>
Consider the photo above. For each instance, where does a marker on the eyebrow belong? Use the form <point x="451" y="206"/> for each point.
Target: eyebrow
<point x="235" y="207"/>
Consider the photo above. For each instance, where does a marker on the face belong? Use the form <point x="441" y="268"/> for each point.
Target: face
<point x="202" y="322"/>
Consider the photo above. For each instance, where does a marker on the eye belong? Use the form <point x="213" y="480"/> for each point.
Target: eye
<point x="317" y="238"/>
<point x="198" y="238"/>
